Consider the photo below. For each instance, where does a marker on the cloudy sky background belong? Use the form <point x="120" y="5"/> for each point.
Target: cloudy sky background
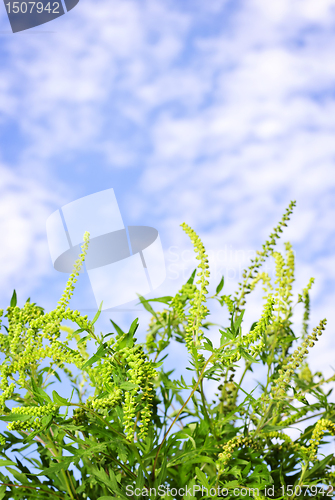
<point x="216" y="114"/>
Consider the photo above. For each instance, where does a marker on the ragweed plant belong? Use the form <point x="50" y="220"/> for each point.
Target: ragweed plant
<point x="142" y="434"/>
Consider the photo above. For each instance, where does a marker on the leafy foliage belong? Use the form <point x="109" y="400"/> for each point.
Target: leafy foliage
<point x="145" y="435"/>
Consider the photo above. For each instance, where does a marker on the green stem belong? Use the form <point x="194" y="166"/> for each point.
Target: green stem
<point x="204" y="404"/>
<point x="247" y="366"/>
<point x="67" y="477"/>
<point x="126" y="470"/>
<point x="263" y="422"/>
<point x="303" y="472"/>
<point x="181" y="409"/>
<point x="103" y="420"/>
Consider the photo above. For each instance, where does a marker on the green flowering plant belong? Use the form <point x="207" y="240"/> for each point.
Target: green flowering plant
<point x="143" y="434"/>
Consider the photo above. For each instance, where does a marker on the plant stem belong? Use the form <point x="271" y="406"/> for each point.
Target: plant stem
<point x="181" y="409"/>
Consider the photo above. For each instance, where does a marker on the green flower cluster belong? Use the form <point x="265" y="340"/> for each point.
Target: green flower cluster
<point x="156" y="323"/>
<point x="126" y="359"/>
<point x="260" y="328"/>
<point x="34" y="411"/>
<point x="7" y="390"/>
<point x="304" y="297"/>
<point x="187" y="291"/>
<point x="296" y="416"/>
<point x="169" y="322"/>
<point x="265" y="278"/>
<point x="285" y="278"/>
<point x="141" y="375"/>
<point x="79" y="416"/>
<point x="231" y="445"/>
<point x="24" y="344"/>
<point x="320" y="427"/>
<point x="108" y="402"/>
<point x="295" y="360"/>
<point x="2" y="440"/>
<point x="37" y="411"/>
<point x="68" y="292"/>
<point x="288" y="442"/>
<point x="228" y="301"/>
<point x="198" y="311"/>
<point x="245" y="288"/>
<point x="228" y="394"/>
<point x="256" y="443"/>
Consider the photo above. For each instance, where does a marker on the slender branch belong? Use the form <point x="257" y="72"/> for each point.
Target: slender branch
<point x="181" y="409"/>
<point x="66" y="474"/>
<point x="204" y="404"/>
<point x="170" y="418"/>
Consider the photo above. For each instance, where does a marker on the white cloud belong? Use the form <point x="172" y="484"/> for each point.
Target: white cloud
<point x="25" y="205"/>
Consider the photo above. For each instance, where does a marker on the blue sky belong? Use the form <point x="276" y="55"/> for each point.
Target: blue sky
<point x="215" y="113"/>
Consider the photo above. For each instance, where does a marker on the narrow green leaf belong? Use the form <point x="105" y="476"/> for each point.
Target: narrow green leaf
<point x="157" y="364"/>
<point x="165" y="300"/>
<point x="46" y="422"/>
<point x="146" y="305"/>
<point x="271" y="428"/>
<point x="319" y="465"/>
<point x="64" y="464"/>
<point x="57" y="376"/>
<point x="90" y="361"/>
<point x="162" y="474"/>
<point x="202" y="478"/>
<point x="59" y="400"/>
<point x="140" y="479"/>
<point x="220" y="286"/>
<point x="40" y="395"/>
<point x="191" y="278"/>
<point x="19" y="476"/>
<point x="253" y="326"/>
<point x="13" y="417"/>
<point x="133" y="327"/>
<point x="83" y="339"/>
<point x="207" y="347"/>
<point x="13" y="300"/>
<point x="209" y="341"/>
<point x="128" y="386"/>
<point x="238" y="322"/>
<point x="97" y="314"/>
<point x="227" y="335"/>
<point x="6" y="462"/>
<point x="103" y="349"/>
<point x="108" y="335"/>
<point x="117" y="328"/>
<point x="246" y="355"/>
